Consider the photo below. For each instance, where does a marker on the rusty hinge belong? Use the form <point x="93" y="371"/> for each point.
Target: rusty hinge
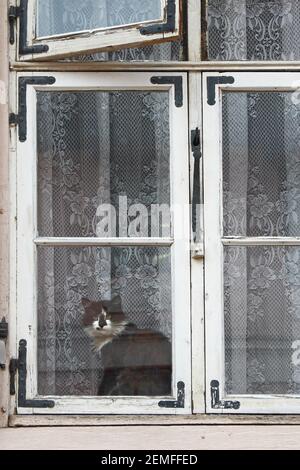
<point x="168" y="27"/>
<point x="212" y="82"/>
<point x="20" y="365"/>
<point x="171" y="80"/>
<point x="179" y="403"/>
<point x="20" y="119"/>
<point x="218" y="404"/>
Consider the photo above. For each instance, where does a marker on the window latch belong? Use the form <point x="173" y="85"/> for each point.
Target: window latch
<point x="196" y="149"/>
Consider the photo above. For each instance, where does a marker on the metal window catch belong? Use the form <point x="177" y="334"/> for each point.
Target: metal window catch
<point x="179" y="403"/>
<point x="20" y="119"/>
<point x="21" y="12"/>
<point x="168" y="27"/>
<point x="20" y="365"/>
<point x="196" y="149"/>
<point x="218" y="404"/>
<point x="171" y="80"/>
<point x="212" y="82"/>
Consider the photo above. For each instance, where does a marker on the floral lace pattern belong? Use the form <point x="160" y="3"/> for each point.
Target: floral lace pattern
<point x="78" y="171"/>
<point x="142" y="278"/>
<point x="264" y="199"/>
<point x="261" y="180"/>
<point x="253" y="29"/>
<point x="93" y="148"/>
<point x="262" y="319"/>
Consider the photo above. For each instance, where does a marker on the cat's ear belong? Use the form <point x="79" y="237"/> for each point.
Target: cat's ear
<point x="85" y="302"/>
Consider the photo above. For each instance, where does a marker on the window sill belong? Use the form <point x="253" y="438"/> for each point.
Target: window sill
<point x="194" y="420"/>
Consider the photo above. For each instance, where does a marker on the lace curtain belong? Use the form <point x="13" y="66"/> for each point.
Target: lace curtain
<point x="252" y="30"/>
<point x="57" y="16"/>
<point x="92" y="148"/>
<point x="60" y="17"/>
<point x="261" y="172"/>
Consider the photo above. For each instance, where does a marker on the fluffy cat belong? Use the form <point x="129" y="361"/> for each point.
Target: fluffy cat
<point x="135" y="361"/>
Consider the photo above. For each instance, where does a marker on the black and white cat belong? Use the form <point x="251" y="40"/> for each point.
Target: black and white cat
<point x="135" y="361"/>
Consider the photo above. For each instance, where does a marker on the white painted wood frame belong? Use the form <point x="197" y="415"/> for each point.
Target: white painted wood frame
<point x="105" y="39"/>
<point x="197" y="260"/>
<point x="212" y="154"/>
<point x="179" y="245"/>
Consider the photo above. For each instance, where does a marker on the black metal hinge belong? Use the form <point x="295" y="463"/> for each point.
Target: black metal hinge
<point x="20" y="119"/>
<point x="21" y="12"/>
<point x="170" y="80"/>
<point x="168" y="27"/>
<point x="13" y="367"/>
<point x="212" y="82"/>
<point x="218" y="404"/>
<point x="20" y="365"/>
<point x="179" y="403"/>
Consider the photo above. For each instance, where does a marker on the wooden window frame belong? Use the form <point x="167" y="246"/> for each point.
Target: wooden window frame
<point x="27" y="242"/>
<point x="195" y="68"/>
<point x="87" y="42"/>
<point x="215" y="241"/>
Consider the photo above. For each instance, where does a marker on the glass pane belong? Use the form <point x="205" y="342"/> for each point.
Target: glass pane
<point x="99" y="148"/>
<point x="104" y="321"/>
<point x="261" y="164"/>
<point x="55" y="17"/>
<point x="251" y="30"/>
<point x="262" y="320"/>
<point x="175" y="50"/>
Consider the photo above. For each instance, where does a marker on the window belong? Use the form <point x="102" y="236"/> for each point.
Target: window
<point x="104" y="140"/>
<point x="252" y="242"/>
<point x="103" y="149"/>
<point x="56" y="29"/>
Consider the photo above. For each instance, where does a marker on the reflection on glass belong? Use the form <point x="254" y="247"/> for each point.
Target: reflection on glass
<point x="261" y="164"/>
<point x="250" y="30"/>
<point x="262" y="320"/>
<point x="57" y="17"/>
<point x="104" y="321"/>
<point x="95" y="147"/>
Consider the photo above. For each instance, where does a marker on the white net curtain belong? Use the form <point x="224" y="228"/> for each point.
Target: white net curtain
<point x="92" y="148"/>
<point x="251" y="29"/>
<point x="261" y="172"/>
<point x="70" y="16"/>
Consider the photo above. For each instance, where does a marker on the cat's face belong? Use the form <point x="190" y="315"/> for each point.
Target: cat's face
<point x="102" y="318"/>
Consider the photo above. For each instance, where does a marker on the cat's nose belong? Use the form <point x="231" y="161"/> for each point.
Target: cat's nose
<point x="102" y="323"/>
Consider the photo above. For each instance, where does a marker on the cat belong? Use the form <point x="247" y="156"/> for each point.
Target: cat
<point x="136" y="362"/>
